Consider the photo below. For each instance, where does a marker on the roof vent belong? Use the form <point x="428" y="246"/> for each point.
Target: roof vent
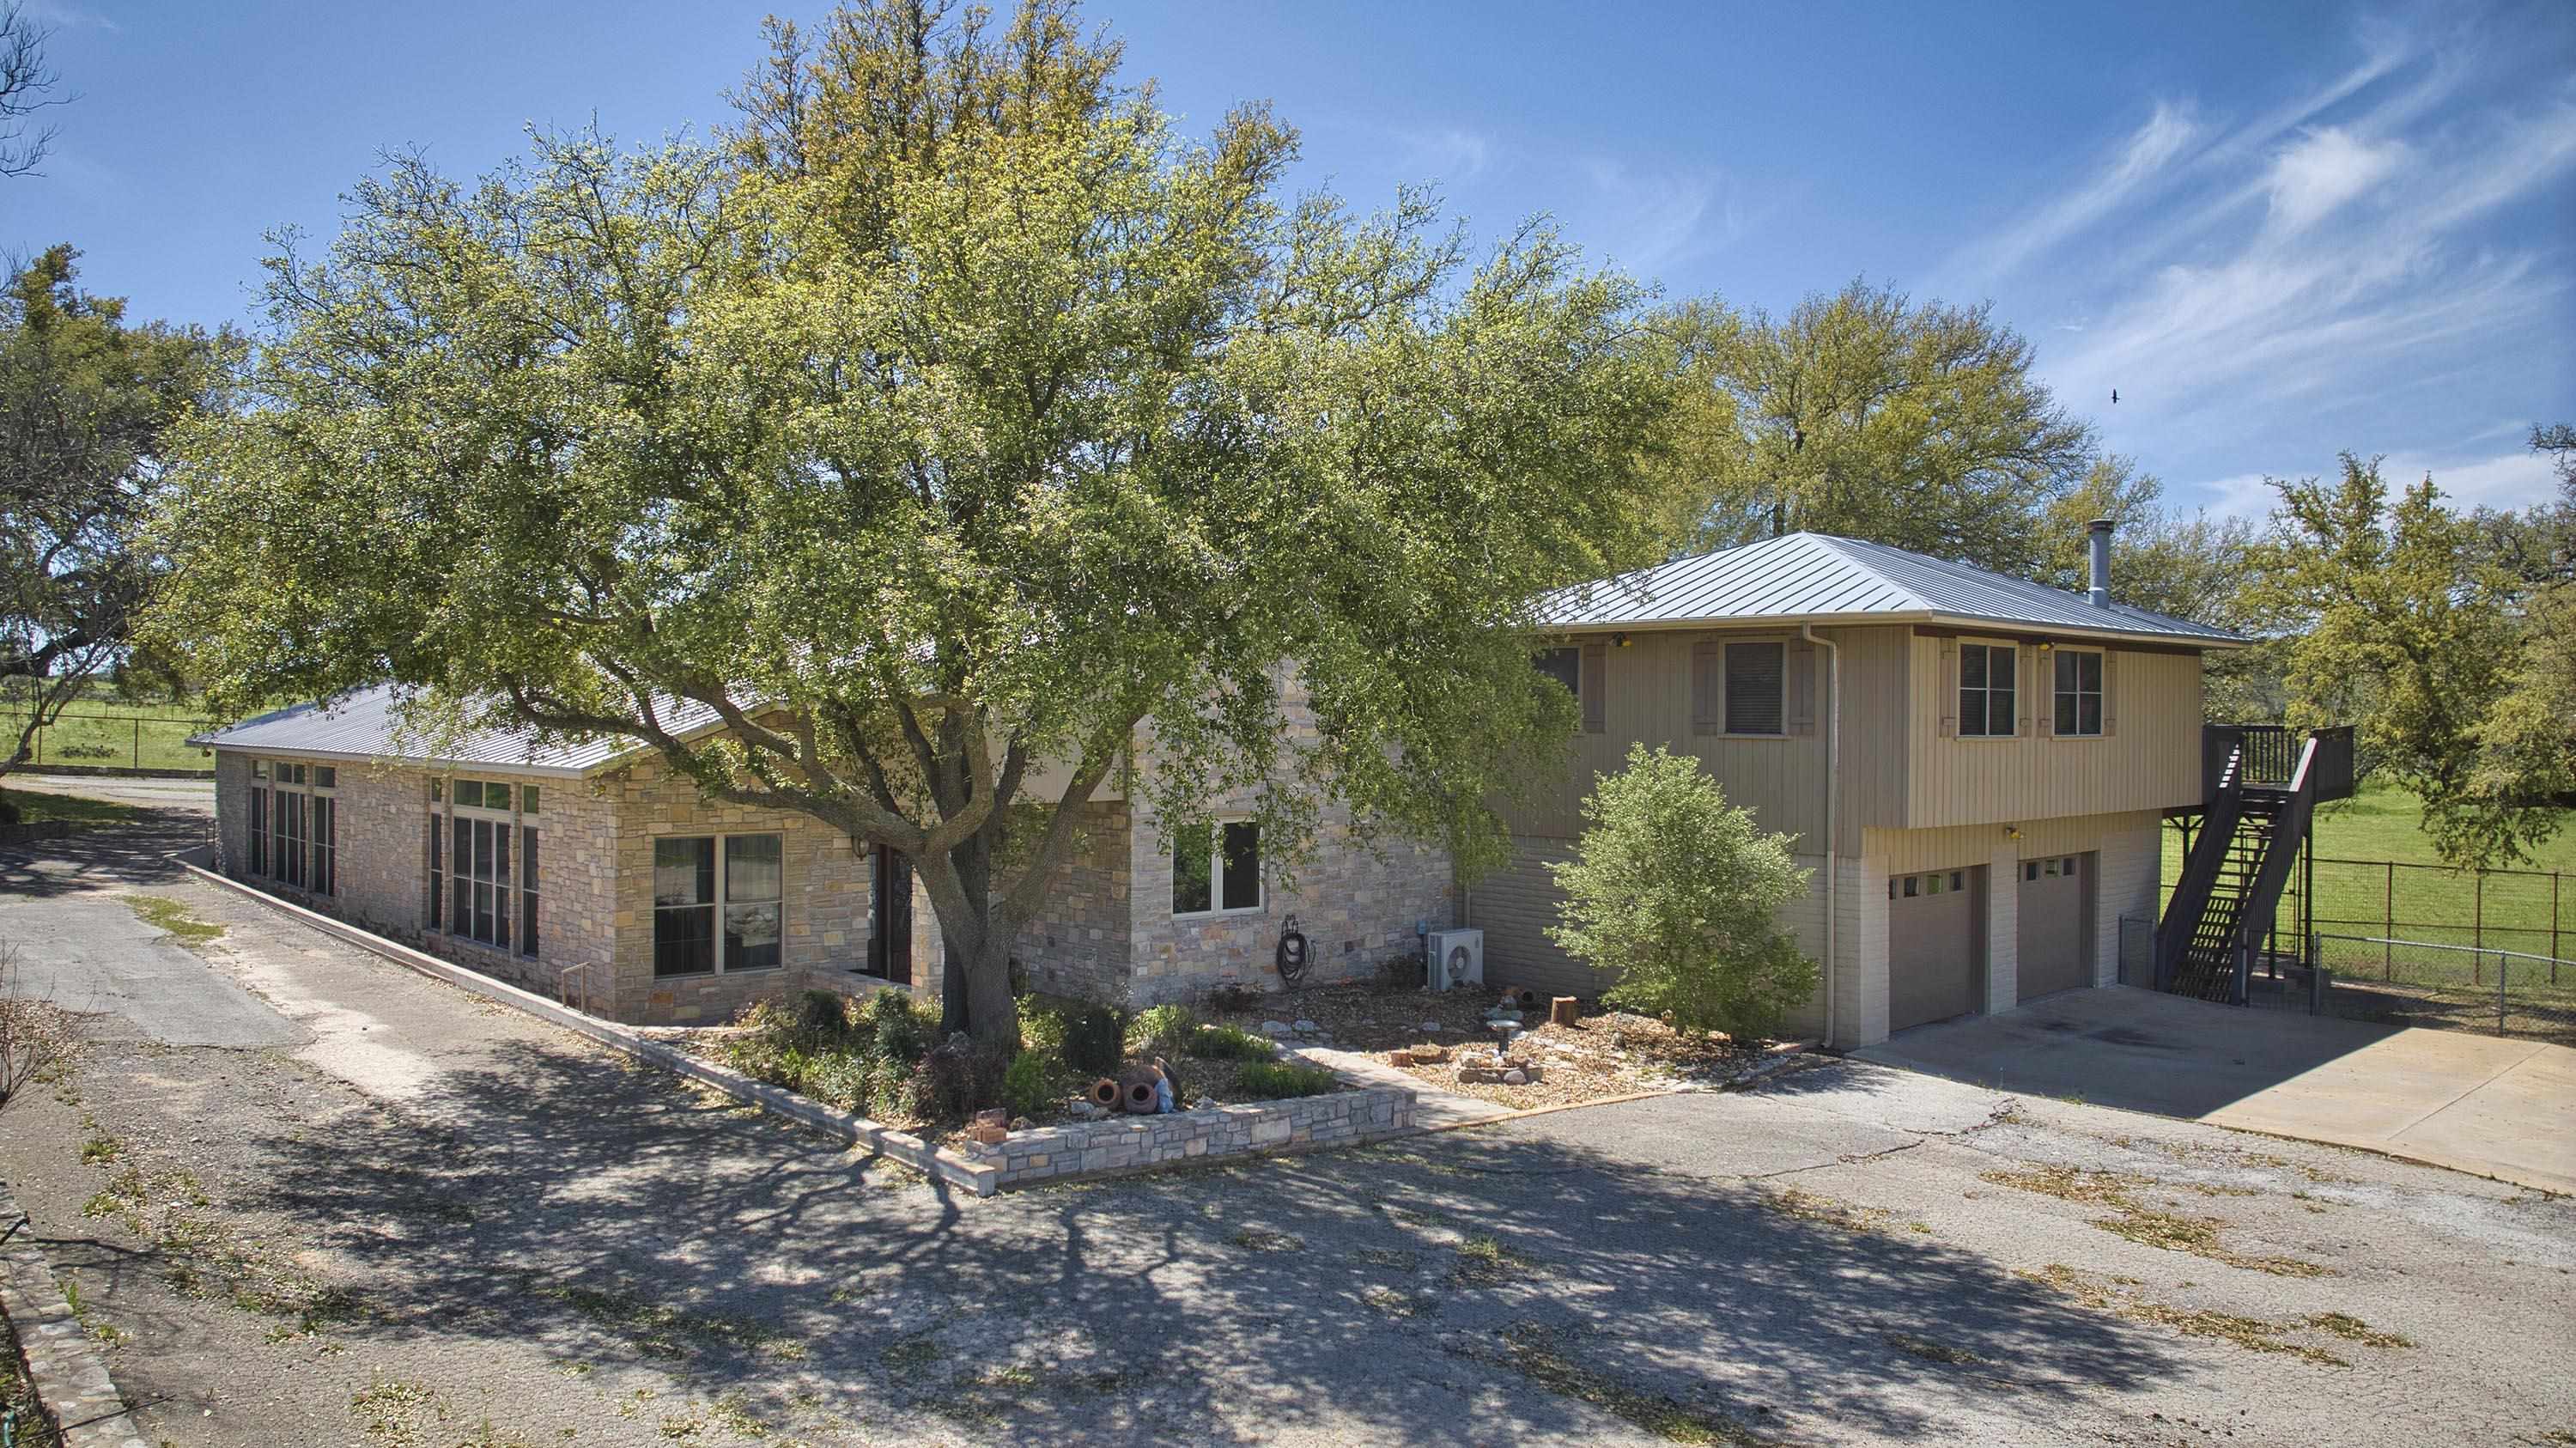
<point x="2100" y="528"/>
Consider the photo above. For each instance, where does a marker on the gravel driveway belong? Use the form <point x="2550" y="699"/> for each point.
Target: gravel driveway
<point x="427" y="1220"/>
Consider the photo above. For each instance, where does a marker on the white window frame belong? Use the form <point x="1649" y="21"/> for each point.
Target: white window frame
<point x="1726" y="685"/>
<point x="716" y="954"/>
<point x="2101" y="696"/>
<point x="1959" y="688"/>
<point x="1216" y="872"/>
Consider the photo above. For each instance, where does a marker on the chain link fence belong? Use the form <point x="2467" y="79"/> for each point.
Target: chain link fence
<point x="112" y="739"/>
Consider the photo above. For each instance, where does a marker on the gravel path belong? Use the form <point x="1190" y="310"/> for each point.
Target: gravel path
<point x="430" y="1221"/>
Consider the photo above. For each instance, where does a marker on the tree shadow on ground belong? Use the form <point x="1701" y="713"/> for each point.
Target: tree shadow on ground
<point x="1451" y="1289"/>
<point x="118" y="856"/>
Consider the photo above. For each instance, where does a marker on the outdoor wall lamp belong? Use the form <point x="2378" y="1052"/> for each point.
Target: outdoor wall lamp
<point x="1618" y="641"/>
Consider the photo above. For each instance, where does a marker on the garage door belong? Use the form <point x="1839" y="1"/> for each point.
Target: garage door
<point x="1933" y="959"/>
<point x="2051" y="945"/>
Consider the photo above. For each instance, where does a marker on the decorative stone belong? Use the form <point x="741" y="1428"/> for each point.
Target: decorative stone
<point x="1516" y="1077"/>
<point x="1431" y="1025"/>
<point x="1430" y="1052"/>
<point x="1022" y="1123"/>
<point x="1401" y="1058"/>
<point x="1274" y="1028"/>
<point x="1304" y="1028"/>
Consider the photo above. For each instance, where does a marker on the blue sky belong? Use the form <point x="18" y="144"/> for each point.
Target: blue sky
<point x="2279" y="230"/>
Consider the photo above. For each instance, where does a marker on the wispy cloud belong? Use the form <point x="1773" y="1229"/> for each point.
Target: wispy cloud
<point x="1447" y="154"/>
<point x="2137" y="165"/>
<point x="1650" y="220"/>
<point x="2511" y="480"/>
<point x="51" y="12"/>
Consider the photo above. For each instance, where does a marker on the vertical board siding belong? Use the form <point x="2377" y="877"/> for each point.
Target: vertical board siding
<point x="2152" y="762"/>
<point x="1649" y="697"/>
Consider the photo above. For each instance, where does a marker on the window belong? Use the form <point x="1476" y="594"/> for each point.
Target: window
<point x="480" y="866"/>
<point x="1986" y="685"/>
<point x="2079" y="692"/>
<point x="1563" y="665"/>
<point x="326" y="811"/>
<point x="690" y="878"/>
<point x="2069" y="862"/>
<point x="290" y="837"/>
<point x="1217" y="868"/>
<point x="259" y="769"/>
<point x="259" y="825"/>
<point x="528" y="889"/>
<point x="1958" y="879"/>
<point x="527" y="799"/>
<point x="437" y="878"/>
<point x="2029" y="871"/>
<point x="1755" y="674"/>
<point x="1913" y="886"/>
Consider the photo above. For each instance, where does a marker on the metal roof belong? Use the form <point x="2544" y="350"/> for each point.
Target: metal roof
<point x="1816" y="577"/>
<point x="368" y="725"/>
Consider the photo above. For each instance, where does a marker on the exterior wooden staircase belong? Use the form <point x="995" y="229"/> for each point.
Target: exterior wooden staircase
<point x="2264" y="788"/>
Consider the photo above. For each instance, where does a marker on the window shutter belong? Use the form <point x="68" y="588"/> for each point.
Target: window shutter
<point x="1949" y="688"/>
<point x="2026" y="682"/>
<point x="2110" y="720"/>
<point x="1594" y="657"/>
<point x="1802" y="688"/>
<point x="1705" y="667"/>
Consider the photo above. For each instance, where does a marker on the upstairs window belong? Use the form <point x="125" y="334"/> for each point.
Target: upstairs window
<point x="1986" y="689"/>
<point x="1756" y="688"/>
<point x="1563" y="665"/>
<point x="2079" y="693"/>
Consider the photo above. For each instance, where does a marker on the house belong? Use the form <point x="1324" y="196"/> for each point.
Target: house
<point x="593" y="873"/>
<point x="1976" y="766"/>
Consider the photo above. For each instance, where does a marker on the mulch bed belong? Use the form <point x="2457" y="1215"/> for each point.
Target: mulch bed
<point x="1599" y="1057"/>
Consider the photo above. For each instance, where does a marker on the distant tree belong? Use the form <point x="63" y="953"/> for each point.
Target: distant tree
<point x="2528" y="741"/>
<point x="1865" y="414"/>
<point x="27" y="85"/>
<point x="1674" y="896"/>
<point x="2401" y="628"/>
<point x="86" y="401"/>
<point x="958" y="435"/>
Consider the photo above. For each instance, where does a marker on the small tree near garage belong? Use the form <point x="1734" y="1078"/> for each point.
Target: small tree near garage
<point x="1675" y="894"/>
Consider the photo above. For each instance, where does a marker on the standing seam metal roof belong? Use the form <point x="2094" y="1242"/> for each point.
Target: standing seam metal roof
<point x="1819" y="576"/>
<point x="367" y="725"/>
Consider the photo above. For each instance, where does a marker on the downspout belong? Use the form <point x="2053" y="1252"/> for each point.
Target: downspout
<point x="1833" y="784"/>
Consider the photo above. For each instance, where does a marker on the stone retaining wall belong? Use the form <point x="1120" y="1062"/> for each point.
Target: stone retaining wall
<point x="1133" y="1143"/>
<point x="63" y="1365"/>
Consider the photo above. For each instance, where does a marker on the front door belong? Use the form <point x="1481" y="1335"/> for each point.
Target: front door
<point x="890" y="917"/>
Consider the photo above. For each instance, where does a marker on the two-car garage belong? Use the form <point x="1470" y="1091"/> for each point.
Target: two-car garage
<point x="1937" y="945"/>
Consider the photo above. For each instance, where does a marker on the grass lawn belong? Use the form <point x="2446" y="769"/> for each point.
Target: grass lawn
<point x="2376" y="875"/>
<point x="34" y="807"/>
<point x="105" y="732"/>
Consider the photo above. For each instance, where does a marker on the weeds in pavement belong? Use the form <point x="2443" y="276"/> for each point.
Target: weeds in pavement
<point x="1529" y="1350"/>
<point x="171" y="916"/>
<point x="1825" y="1211"/>
<point x="2147" y="1226"/>
<point x="2120" y="1295"/>
<point x="1484" y="1261"/>
<point x="1260" y="1239"/>
<point x="1930" y="1349"/>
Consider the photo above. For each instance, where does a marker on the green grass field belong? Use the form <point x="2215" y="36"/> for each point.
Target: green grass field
<point x="102" y="731"/>
<point x="2377" y="876"/>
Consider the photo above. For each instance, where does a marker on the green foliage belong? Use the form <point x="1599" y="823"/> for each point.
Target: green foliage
<point x="1042" y="1029"/>
<point x="1161" y="1031"/>
<point x="1278" y="1080"/>
<point x="2403" y="628"/>
<point x="87" y="403"/>
<point x="967" y="419"/>
<point x="1865" y="414"/>
<point x="1229" y="1043"/>
<point x="1031" y="1083"/>
<point x="1095" y="1040"/>
<point x="1675" y="896"/>
<point x="823" y="1014"/>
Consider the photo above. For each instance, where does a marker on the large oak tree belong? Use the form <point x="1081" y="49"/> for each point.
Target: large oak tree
<point x="952" y="426"/>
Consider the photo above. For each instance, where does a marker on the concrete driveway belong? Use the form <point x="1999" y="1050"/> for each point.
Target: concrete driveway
<point x="2499" y="1108"/>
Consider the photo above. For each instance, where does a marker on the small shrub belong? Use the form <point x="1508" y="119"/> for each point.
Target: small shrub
<point x="1275" y="1080"/>
<point x="954" y="1080"/>
<point x="1029" y="1083"/>
<point x="1042" y="1029"/>
<point x="823" y="1014"/>
<point x="1402" y="972"/>
<point x="1095" y="1040"/>
<point x="893" y="1094"/>
<point x="1229" y="1043"/>
<point x="1161" y="1031"/>
<point x="1234" y="996"/>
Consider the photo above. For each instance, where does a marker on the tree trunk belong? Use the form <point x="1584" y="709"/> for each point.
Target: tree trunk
<point x="993" y="1017"/>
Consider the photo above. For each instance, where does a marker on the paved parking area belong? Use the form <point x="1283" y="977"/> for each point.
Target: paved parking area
<point x="2497" y="1107"/>
<point x="427" y="1220"/>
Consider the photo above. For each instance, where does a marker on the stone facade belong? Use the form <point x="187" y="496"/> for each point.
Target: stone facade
<point x="1079" y="945"/>
<point x="1132" y="1143"/>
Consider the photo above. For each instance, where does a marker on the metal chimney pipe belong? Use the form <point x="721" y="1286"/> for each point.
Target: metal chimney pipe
<point x="2100" y="528"/>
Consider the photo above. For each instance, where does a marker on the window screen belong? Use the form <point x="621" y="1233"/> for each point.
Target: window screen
<point x="1754" y="676"/>
<point x="1986" y="690"/>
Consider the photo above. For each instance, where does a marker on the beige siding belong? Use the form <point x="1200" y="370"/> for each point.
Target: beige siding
<point x="1782" y="780"/>
<point x="2150" y="761"/>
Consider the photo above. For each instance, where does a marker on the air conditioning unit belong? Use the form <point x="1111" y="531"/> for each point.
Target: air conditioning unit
<point x="1455" y="959"/>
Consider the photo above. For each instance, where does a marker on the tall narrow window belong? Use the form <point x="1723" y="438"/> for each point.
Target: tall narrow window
<point x="292" y="808"/>
<point x="1193" y="873"/>
<point x="1986" y="690"/>
<point x="437" y="916"/>
<point x="326" y="811"/>
<point x="528" y="886"/>
<point x="2079" y="692"/>
<point x="258" y="861"/>
<point x="751" y="894"/>
<point x="1239" y="867"/>
<point x="1756" y="676"/>
<point x="684" y="895"/>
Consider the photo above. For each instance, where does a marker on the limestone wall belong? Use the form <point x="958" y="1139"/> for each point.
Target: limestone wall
<point x="1130" y="1143"/>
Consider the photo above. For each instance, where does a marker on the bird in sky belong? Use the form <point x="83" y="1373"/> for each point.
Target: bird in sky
<point x="2115" y="397"/>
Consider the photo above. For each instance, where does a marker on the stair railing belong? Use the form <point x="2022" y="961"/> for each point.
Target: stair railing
<point x="2280" y="857"/>
<point x="2200" y="869"/>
